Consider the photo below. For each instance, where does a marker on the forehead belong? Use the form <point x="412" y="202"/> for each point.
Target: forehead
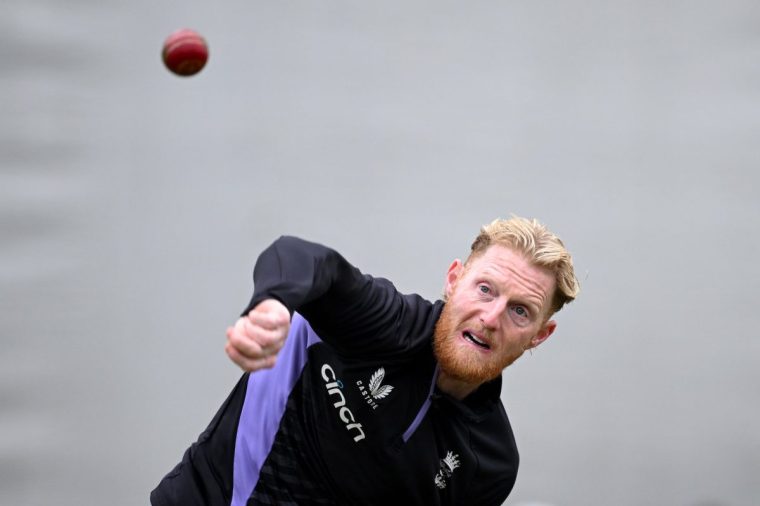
<point x="512" y="267"/>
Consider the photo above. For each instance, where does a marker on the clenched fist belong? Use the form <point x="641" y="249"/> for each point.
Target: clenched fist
<point x="255" y="340"/>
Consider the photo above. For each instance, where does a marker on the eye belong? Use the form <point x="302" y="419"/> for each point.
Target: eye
<point x="520" y="311"/>
<point x="484" y="289"/>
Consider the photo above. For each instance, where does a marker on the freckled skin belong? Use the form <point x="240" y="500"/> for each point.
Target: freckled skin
<point x="500" y="299"/>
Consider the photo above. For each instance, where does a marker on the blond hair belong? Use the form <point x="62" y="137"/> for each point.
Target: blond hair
<point x="542" y="247"/>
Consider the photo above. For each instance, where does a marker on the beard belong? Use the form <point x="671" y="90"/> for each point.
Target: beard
<point x="456" y="360"/>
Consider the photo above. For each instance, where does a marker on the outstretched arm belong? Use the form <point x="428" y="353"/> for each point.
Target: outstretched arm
<point x="354" y="312"/>
<point x="303" y="274"/>
<point x="290" y="275"/>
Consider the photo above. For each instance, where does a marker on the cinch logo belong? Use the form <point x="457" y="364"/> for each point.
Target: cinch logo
<point x="333" y="386"/>
<point x="447" y="466"/>
<point x="375" y="390"/>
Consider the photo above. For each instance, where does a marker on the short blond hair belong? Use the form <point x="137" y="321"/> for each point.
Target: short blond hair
<point x="541" y="246"/>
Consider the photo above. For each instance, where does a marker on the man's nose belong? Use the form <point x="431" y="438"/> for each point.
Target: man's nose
<point x="492" y="313"/>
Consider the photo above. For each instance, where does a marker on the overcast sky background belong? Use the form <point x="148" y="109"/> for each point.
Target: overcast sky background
<point x="133" y="204"/>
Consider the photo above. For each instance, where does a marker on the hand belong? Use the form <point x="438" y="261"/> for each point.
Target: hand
<point x="255" y="340"/>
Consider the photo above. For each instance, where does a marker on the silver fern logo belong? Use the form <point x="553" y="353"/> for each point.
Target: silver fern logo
<point x="446" y="469"/>
<point x="375" y="390"/>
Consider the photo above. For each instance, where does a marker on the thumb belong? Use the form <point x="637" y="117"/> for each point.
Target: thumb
<point x="275" y="311"/>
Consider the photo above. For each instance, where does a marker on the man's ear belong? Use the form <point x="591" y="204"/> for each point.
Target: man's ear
<point x="452" y="276"/>
<point x="543" y="334"/>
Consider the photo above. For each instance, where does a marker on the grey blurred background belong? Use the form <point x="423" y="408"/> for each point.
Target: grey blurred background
<point x="133" y="204"/>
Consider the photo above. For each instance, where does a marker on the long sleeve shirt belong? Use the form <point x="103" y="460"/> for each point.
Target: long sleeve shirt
<point x="351" y="414"/>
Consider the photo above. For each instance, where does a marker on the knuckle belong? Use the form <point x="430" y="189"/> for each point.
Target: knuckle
<point x="236" y="339"/>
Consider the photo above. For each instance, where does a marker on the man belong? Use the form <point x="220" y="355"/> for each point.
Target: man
<point x="369" y="396"/>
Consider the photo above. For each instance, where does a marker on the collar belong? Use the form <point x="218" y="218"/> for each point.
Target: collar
<point x="476" y="406"/>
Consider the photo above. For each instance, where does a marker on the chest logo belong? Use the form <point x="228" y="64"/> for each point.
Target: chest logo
<point x="375" y="390"/>
<point x="334" y="388"/>
<point x="446" y="469"/>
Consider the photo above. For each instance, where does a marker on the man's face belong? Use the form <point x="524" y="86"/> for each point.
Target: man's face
<point x="497" y="308"/>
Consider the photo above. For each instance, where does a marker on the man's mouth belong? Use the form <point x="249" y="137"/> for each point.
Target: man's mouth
<point x="477" y="342"/>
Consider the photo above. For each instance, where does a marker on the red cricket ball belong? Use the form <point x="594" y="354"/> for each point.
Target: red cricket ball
<point x="185" y="52"/>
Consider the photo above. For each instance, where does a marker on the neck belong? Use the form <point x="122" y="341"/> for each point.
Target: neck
<point x="458" y="389"/>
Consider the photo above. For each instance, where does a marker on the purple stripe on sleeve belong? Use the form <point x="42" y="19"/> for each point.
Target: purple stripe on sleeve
<point x="264" y="405"/>
<point x="423" y="410"/>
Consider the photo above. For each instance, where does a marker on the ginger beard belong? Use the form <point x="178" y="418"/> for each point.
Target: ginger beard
<point x="459" y="362"/>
